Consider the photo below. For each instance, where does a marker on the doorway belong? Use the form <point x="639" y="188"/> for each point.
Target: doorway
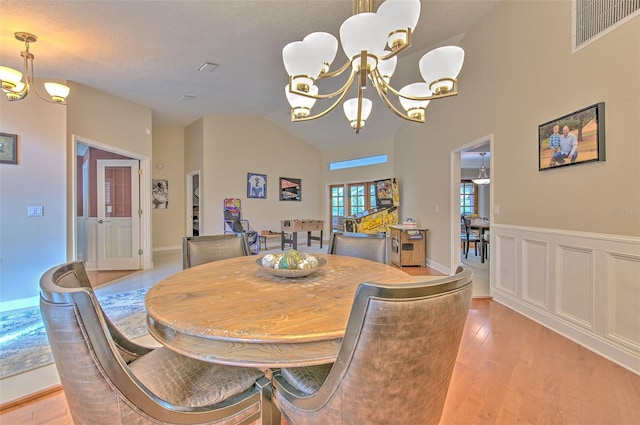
<point x="113" y="194"/>
<point x="194" y="214"/>
<point x="466" y="163"/>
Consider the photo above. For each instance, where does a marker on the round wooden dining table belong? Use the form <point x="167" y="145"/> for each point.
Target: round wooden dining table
<point x="234" y="312"/>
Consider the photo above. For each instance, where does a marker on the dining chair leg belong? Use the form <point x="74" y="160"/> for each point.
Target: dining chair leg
<point x="270" y="414"/>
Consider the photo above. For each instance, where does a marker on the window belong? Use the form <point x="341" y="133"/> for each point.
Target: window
<point x="468" y="198"/>
<point x="359" y="162"/>
<point x="350" y="199"/>
<point x="337" y="207"/>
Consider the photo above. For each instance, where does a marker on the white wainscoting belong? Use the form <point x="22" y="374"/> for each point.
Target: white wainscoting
<point x="584" y="286"/>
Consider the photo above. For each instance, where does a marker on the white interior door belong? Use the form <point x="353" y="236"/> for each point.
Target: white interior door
<point x="118" y="214"/>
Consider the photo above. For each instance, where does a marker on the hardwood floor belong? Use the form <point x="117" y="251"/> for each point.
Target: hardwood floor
<point x="509" y="370"/>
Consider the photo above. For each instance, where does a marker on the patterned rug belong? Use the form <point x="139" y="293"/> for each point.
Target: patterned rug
<point x="23" y="339"/>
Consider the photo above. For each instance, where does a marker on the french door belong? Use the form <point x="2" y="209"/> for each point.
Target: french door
<point x="118" y="229"/>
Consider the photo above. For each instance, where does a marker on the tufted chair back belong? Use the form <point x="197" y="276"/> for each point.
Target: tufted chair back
<point x="110" y="380"/>
<point x="198" y="250"/>
<point x="370" y="246"/>
<point x="395" y="362"/>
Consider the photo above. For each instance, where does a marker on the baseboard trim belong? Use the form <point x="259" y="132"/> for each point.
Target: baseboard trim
<point x="29" y="398"/>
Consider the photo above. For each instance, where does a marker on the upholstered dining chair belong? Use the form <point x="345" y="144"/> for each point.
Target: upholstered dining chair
<point x="198" y="250"/>
<point x="468" y="236"/>
<point x="108" y="379"/>
<point x="370" y="246"/>
<point x="395" y="362"/>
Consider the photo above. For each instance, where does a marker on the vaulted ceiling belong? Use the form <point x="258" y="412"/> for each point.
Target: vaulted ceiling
<point x="149" y="52"/>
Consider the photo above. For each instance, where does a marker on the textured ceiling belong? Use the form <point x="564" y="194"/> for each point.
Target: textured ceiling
<point x="149" y="52"/>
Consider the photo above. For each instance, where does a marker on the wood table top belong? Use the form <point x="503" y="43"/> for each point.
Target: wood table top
<point x="234" y="312"/>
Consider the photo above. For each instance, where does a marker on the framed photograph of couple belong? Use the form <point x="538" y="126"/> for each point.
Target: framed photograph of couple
<point x="575" y="138"/>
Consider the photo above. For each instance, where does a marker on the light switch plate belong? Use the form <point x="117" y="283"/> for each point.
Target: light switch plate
<point x="35" y="211"/>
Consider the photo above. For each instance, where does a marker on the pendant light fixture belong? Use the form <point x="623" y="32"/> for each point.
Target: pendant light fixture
<point x="371" y="41"/>
<point x="16" y="85"/>
<point x="482" y="178"/>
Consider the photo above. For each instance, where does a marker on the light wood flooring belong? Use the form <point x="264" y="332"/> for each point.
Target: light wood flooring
<point x="509" y="370"/>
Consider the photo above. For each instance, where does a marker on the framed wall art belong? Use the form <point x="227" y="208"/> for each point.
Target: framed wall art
<point x="8" y="148"/>
<point x="290" y="189"/>
<point x="572" y="139"/>
<point x="256" y="186"/>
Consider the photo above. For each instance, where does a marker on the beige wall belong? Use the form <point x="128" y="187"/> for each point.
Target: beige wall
<point x="235" y="146"/>
<point x="519" y="73"/>
<point x="31" y="245"/>
<point x="110" y="123"/>
<point x="168" y="150"/>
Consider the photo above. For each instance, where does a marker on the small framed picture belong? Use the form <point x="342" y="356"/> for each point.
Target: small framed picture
<point x="8" y="148"/>
<point x="290" y="189"/>
<point x="256" y="186"/>
<point x="572" y="139"/>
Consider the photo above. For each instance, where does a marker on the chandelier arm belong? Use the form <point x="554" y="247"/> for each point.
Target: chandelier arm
<point x="452" y="92"/>
<point x="336" y="72"/>
<point x="393" y="108"/>
<point x="401" y="48"/>
<point x="329" y="109"/>
<point x="30" y="81"/>
<point x="341" y="90"/>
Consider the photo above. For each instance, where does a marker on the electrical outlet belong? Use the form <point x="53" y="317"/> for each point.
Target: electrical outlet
<point x="35" y="211"/>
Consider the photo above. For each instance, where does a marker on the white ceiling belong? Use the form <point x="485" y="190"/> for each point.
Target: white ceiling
<point x="149" y="52"/>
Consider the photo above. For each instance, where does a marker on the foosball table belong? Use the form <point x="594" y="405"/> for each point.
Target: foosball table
<point x="290" y="228"/>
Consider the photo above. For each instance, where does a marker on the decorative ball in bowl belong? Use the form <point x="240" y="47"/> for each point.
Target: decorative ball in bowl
<point x="290" y="264"/>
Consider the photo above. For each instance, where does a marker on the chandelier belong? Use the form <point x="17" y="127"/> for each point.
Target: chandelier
<point x="16" y="86"/>
<point x="371" y="42"/>
<point x="482" y="178"/>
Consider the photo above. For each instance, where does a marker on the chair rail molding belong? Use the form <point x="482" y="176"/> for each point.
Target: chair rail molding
<point x="585" y="286"/>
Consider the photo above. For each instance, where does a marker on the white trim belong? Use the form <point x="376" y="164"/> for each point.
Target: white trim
<point x="566" y="281"/>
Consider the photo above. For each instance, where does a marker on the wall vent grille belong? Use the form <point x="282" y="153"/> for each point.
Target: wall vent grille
<point x="594" y="18"/>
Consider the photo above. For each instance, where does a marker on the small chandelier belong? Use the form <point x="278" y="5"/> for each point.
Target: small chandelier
<point x="16" y="86"/>
<point x="482" y="178"/>
<point x="371" y="41"/>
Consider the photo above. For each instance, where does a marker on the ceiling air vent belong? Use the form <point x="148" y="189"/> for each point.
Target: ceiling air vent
<point x="594" y="18"/>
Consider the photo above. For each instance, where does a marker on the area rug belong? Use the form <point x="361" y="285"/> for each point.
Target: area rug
<point x="23" y="339"/>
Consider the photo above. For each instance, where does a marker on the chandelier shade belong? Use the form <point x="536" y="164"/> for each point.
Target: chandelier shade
<point x="17" y="85"/>
<point x="351" y="109"/>
<point x="301" y="105"/>
<point x="441" y="66"/>
<point x="364" y="31"/>
<point x="10" y="77"/>
<point x="399" y="15"/>
<point x="364" y="36"/>
<point x="326" y="45"/>
<point x="482" y="178"/>
<point x="415" y="108"/>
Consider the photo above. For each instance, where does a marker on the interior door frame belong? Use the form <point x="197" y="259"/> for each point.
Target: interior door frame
<point x="456" y="257"/>
<point x="145" y="198"/>
<point x="189" y="202"/>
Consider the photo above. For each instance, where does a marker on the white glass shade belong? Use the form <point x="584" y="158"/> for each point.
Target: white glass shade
<point x="10" y="77"/>
<point x="398" y="16"/>
<point x="415" y="108"/>
<point x="364" y="31"/>
<point x="387" y="67"/>
<point x="482" y="177"/>
<point x="58" y="92"/>
<point x="326" y="46"/>
<point x="351" y="111"/>
<point x="443" y="62"/>
<point x="301" y="59"/>
<point x="301" y="105"/>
